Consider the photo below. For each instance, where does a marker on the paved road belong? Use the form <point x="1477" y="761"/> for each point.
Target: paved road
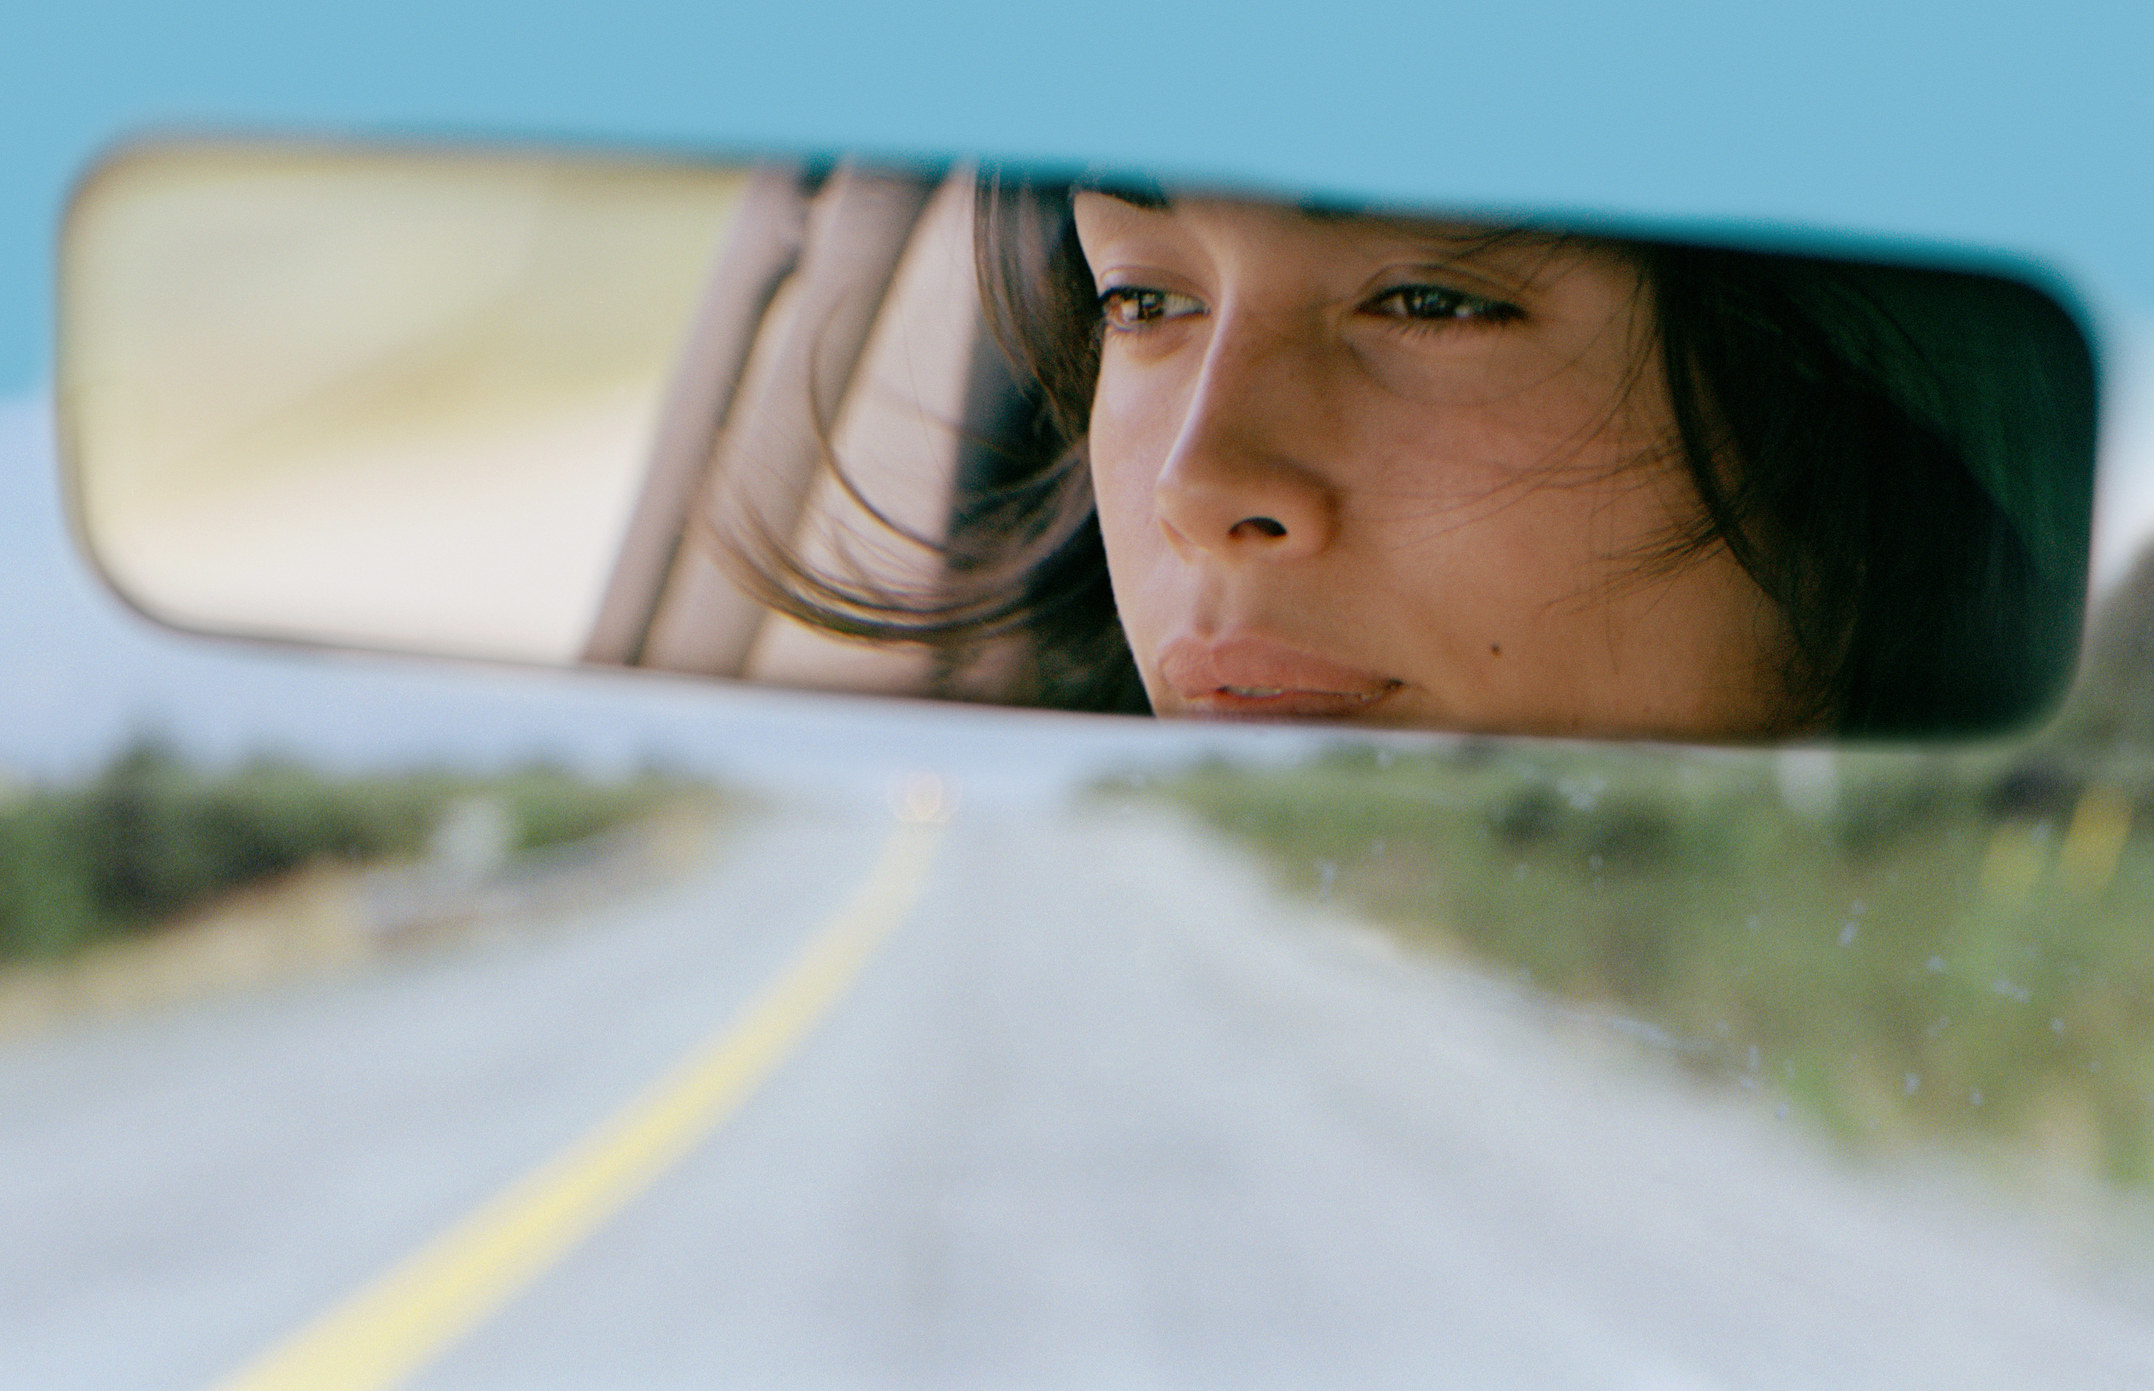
<point x="1099" y="1112"/>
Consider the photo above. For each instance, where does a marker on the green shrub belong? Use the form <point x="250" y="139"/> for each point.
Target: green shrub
<point x="1925" y="949"/>
<point x="151" y="837"/>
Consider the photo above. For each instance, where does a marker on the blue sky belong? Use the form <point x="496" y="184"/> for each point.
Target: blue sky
<point x="2013" y="125"/>
<point x="2017" y="128"/>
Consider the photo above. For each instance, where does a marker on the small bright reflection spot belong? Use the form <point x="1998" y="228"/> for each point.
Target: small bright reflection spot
<point x="923" y="797"/>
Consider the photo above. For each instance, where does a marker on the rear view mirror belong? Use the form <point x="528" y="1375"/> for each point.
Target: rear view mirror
<point x="1094" y="444"/>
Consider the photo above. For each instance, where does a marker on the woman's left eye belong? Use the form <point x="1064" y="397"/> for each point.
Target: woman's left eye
<point x="1437" y="303"/>
<point x="1127" y="307"/>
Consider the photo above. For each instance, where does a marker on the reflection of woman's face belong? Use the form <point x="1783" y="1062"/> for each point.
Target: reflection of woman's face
<point x="1404" y="473"/>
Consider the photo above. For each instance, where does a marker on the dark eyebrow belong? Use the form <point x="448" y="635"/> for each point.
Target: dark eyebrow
<point x="1460" y="241"/>
<point x="1151" y="197"/>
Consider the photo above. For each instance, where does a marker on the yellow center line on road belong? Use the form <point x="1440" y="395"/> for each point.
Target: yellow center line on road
<point x="391" y="1328"/>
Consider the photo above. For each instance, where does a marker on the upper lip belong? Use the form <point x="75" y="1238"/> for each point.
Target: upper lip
<point x="1246" y="672"/>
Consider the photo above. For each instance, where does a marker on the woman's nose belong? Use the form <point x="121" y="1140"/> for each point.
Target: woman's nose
<point x="1240" y="481"/>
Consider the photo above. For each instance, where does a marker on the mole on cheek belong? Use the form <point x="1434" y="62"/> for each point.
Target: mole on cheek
<point x="1495" y="649"/>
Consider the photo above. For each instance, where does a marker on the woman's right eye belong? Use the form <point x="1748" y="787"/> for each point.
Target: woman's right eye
<point x="1126" y="308"/>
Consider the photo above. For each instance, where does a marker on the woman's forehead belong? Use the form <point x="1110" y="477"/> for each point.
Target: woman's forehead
<point x="1322" y="229"/>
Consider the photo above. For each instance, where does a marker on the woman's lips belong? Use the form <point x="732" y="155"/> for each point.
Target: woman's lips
<point x="1255" y="678"/>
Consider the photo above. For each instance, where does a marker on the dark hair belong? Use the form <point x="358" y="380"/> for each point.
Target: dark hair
<point x="1910" y="473"/>
<point x="1900" y="458"/>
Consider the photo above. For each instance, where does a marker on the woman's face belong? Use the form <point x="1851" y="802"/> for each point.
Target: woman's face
<point x="1405" y="473"/>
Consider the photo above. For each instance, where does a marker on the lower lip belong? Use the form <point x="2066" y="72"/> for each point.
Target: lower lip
<point x="1285" y="705"/>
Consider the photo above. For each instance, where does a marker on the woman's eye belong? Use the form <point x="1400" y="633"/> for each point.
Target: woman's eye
<point x="1134" y="306"/>
<point x="1436" y="303"/>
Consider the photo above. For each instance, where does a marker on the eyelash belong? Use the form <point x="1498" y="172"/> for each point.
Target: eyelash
<point x="1426" y="307"/>
<point x="1421" y="308"/>
<point x="1149" y="302"/>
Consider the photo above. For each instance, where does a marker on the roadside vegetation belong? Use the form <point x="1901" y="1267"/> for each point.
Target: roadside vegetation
<point x="151" y="837"/>
<point x="1906" y="943"/>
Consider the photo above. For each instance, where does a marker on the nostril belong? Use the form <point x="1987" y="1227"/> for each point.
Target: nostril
<point x="1259" y="526"/>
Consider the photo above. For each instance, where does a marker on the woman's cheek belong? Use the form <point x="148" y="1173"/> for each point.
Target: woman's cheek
<point x="1127" y="444"/>
<point x="1115" y="492"/>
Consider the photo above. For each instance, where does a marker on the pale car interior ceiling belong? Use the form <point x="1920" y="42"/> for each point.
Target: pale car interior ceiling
<point x="841" y="331"/>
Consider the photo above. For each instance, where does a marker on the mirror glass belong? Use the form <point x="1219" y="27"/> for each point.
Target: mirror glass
<point x="1094" y="443"/>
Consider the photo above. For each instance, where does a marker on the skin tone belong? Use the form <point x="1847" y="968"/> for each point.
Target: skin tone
<point x="1404" y="473"/>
